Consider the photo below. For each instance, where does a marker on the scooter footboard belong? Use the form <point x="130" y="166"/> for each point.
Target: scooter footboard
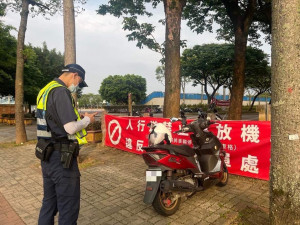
<point x="153" y="179"/>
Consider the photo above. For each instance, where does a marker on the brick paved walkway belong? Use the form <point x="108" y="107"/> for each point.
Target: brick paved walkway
<point x="7" y="213"/>
<point x="112" y="188"/>
<point x="8" y="133"/>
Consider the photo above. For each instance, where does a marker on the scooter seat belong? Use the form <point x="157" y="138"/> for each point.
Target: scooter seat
<point x="179" y="149"/>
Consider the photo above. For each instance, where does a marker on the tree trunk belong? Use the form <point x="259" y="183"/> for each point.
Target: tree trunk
<point x="173" y="12"/>
<point x="69" y="32"/>
<point x="241" y="22"/>
<point x="236" y="100"/>
<point x="202" y="93"/>
<point x="129" y="104"/>
<point x="285" y="169"/>
<point x="254" y="98"/>
<point x="70" y="36"/>
<point x="21" y="136"/>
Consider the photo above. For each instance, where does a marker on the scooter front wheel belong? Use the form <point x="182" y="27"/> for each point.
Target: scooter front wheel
<point x="165" y="204"/>
<point x="224" y="179"/>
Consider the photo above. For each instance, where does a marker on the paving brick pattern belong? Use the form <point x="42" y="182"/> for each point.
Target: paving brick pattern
<point x="7" y="133"/>
<point x="112" y="192"/>
<point x="7" y="213"/>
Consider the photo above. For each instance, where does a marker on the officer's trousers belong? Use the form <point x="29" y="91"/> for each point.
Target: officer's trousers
<point x="61" y="192"/>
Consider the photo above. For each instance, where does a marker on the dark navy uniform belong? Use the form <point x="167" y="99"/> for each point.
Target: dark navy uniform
<point x="61" y="185"/>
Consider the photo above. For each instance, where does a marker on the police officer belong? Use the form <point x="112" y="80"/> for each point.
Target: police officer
<point x="59" y="123"/>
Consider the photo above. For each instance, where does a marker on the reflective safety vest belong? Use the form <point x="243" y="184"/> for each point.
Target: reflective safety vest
<point x="42" y="128"/>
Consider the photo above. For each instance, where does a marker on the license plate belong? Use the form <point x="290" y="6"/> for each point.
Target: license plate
<point x="151" y="175"/>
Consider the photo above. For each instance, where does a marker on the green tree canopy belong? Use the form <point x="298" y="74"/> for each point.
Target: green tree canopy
<point x="8" y="45"/>
<point x="50" y="62"/>
<point x="212" y="65"/>
<point x="258" y="73"/>
<point x="115" y="89"/>
<point x="90" y="100"/>
<point x="41" y="66"/>
<point x="201" y="14"/>
<point x="32" y="76"/>
<point x="2" y="8"/>
<point x="239" y="21"/>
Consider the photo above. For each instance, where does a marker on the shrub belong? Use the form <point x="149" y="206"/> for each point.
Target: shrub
<point x="94" y="126"/>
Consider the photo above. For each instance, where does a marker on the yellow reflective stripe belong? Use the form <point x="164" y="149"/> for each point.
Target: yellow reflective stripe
<point x="41" y="92"/>
<point x="80" y="133"/>
<point x="46" y="94"/>
<point x="82" y="141"/>
<point x="79" y="136"/>
<point x="76" y="112"/>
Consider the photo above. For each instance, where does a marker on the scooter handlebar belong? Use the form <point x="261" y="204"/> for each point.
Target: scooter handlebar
<point x="203" y="125"/>
<point x="183" y="130"/>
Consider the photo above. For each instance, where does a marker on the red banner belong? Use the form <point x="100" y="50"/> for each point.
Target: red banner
<point x="247" y="143"/>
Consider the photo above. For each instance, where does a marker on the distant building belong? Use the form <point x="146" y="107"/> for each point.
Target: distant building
<point x="157" y="98"/>
<point x="7" y="100"/>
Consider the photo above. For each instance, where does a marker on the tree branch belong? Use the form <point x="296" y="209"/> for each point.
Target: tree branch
<point x="159" y="48"/>
<point x="233" y="10"/>
<point x="248" y="17"/>
<point x="33" y="3"/>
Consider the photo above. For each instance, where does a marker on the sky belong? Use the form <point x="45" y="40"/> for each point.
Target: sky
<point x="102" y="48"/>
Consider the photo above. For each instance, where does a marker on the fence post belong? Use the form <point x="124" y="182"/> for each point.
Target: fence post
<point x="129" y="104"/>
<point x="103" y="126"/>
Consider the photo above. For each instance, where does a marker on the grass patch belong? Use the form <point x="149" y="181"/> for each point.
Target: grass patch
<point x="86" y="163"/>
<point x="251" y="216"/>
<point x="221" y="205"/>
<point x="223" y="215"/>
<point x="13" y="144"/>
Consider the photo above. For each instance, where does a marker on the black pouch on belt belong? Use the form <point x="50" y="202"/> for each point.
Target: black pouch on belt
<point x="68" y="152"/>
<point x="43" y="149"/>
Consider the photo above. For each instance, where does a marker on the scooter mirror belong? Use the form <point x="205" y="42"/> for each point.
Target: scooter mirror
<point x="173" y="119"/>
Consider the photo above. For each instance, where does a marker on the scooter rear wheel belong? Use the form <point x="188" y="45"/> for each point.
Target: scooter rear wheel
<point x="164" y="205"/>
<point x="224" y="179"/>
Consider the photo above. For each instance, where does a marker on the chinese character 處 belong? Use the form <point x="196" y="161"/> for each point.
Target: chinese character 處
<point x="250" y="164"/>
<point x="223" y="132"/>
<point x="250" y="133"/>
<point x="129" y="143"/>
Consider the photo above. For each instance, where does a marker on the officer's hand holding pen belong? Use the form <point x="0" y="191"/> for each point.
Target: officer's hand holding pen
<point x="91" y="116"/>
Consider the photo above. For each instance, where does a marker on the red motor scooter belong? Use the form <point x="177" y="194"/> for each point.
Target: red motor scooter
<point x="177" y="171"/>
